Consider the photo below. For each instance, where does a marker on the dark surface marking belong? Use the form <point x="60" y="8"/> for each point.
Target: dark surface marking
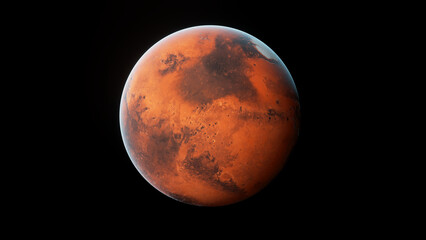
<point x="134" y="124"/>
<point x="187" y="133"/>
<point x="142" y="110"/>
<point x="230" y="186"/>
<point x="246" y="115"/>
<point x="163" y="146"/>
<point x="205" y="167"/>
<point x="139" y="108"/>
<point x="160" y="122"/>
<point x="161" y="149"/>
<point x="177" y="137"/>
<point x="247" y="46"/>
<point x="138" y="103"/>
<point x="219" y="74"/>
<point x="250" y="49"/>
<point x="272" y="113"/>
<point x="172" y="62"/>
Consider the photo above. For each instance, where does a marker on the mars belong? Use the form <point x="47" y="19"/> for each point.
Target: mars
<point x="209" y="115"/>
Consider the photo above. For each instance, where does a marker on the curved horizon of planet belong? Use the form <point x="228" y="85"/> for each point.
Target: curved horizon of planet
<point x="209" y="115"/>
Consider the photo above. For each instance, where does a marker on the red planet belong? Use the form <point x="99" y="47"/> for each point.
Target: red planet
<point x="209" y="115"/>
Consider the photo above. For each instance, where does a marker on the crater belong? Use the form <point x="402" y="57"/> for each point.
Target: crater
<point x="206" y="168"/>
<point x="172" y="63"/>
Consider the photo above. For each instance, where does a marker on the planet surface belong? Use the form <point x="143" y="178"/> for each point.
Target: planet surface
<point x="209" y="115"/>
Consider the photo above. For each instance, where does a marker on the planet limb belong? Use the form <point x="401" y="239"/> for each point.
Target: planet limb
<point x="209" y="115"/>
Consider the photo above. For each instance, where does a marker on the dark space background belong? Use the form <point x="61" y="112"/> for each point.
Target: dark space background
<point x="87" y="52"/>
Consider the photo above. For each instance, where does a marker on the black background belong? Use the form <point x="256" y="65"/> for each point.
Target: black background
<point x="87" y="52"/>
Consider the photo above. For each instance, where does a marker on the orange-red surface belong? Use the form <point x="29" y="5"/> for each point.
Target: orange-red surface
<point x="209" y="115"/>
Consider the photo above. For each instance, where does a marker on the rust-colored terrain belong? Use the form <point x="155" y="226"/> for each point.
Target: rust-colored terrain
<point x="209" y="115"/>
